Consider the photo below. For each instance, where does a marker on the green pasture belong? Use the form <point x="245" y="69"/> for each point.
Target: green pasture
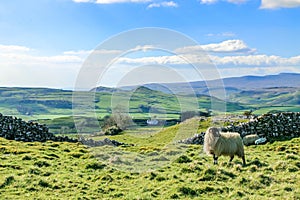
<point x="155" y="167"/>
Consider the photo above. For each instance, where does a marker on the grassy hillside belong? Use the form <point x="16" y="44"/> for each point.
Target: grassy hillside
<point x="54" y="107"/>
<point x="71" y="171"/>
<point x="35" y="103"/>
<point x="269" y="99"/>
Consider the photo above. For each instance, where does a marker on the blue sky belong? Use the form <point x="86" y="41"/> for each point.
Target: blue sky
<point x="44" y="43"/>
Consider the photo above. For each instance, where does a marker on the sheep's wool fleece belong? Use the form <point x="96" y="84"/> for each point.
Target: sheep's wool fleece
<point x="250" y="139"/>
<point x="227" y="144"/>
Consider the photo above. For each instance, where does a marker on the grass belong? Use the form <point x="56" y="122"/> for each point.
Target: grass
<point x="54" y="107"/>
<point x="152" y="169"/>
<point x="262" y="110"/>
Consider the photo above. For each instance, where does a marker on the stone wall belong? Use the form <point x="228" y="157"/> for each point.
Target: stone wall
<point x="270" y="126"/>
<point x="196" y="139"/>
<point x="95" y="143"/>
<point x="13" y="128"/>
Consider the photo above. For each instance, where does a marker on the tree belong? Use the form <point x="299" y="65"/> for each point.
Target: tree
<point x="118" y="119"/>
<point x="248" y="113"/>
<point x="122" y="120"/>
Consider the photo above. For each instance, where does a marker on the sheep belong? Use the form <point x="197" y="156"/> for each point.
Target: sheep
<point x="227" y="144"/>
<point x="250" y="139"/>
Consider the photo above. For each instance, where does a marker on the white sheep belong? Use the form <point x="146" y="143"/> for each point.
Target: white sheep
<point x="250" y="139"/>
<point x="227" y="144"/>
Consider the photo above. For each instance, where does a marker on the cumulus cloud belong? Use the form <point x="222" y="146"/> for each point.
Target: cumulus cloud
<point x="152" y="60"/>
<point x="23" y="66"/>
<point x="227" y="66"/>
<point x="163" y="4"/>
<point x="13" y="48"/>
<point x="257" y="60"/>
<point x="228" y="46"/>
<point x="274" y="4"/>
<point x="246" y="60"/>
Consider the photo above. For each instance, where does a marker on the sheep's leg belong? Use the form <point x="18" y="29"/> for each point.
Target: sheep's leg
<point x="231" y="158"/>
<point x="244" y="161"/>
<point x="215" y="159"/>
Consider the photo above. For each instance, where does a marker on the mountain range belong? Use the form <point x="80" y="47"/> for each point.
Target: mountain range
<point x="231" y="85"/>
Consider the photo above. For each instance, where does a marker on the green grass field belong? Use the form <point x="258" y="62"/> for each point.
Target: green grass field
<point x="55" y="108"/>
<point x="155" y="168"/>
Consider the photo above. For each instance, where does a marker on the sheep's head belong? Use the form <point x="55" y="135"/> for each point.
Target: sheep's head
<point x="213" y="131"/>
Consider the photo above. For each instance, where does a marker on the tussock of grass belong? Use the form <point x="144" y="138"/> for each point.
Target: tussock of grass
<point x="95" y="165"/>
<point x="8" y="181"/>
<point x="183" y="159"/>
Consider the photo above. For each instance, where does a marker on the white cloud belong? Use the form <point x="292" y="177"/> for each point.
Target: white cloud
<point x="163" y="4"/>
<point x="273" y="4"/>
<point x="143" y="48"/>
<point x="208" y="1"/>
<point x="245" y="61"/>
<point x="84" y="53"/>
<point x="22" y="66"/>
<point x="13" y="48"/>
<point x="265" y="4"/>
<point x="152" y="60"/>
<point x="78" y="53"/>
<point x="257" y="60"/>
<point x="228" y="46"/>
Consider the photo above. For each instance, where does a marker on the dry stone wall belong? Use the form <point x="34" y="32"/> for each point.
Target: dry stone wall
<point x="270" y="126"/>
<point x="13" y="128"/>
<point x="196" y="139"/>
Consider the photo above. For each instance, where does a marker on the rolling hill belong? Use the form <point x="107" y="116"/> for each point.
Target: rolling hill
<point x="232" y="84"/>
<point x="54" y="106"/>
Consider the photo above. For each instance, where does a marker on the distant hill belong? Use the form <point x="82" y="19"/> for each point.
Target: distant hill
<point x="278" y="92"/>
<point x="254" y="82"/>
<point x="105" y="89"/>
<point x="233" y="84"/>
